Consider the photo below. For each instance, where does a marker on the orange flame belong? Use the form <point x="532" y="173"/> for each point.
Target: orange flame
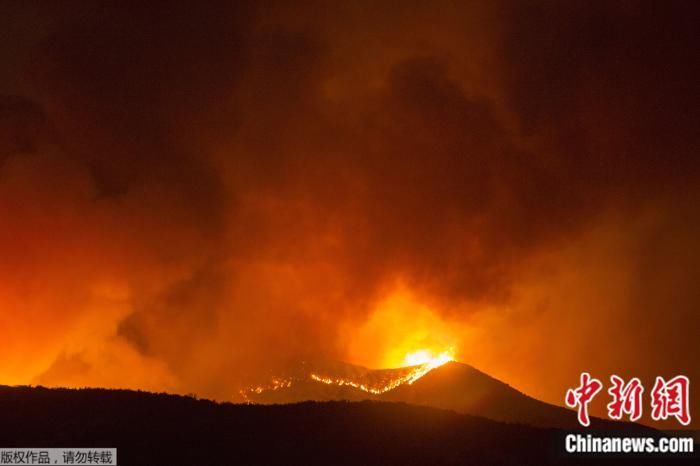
<point x="402" y="332"/>
<point x="427" y="363"/>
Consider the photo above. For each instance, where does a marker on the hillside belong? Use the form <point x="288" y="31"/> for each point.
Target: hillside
<point x="454" y="386"/>
<point x="464" y="389"/>
<point x="160" y="429"/>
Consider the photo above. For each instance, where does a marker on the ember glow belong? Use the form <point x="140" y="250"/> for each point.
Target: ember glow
<point x="274" y="385"/>
<point x="418" y="363"/>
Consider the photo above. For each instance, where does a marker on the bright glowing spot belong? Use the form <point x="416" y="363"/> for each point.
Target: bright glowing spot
<point x="421" y="362"/>
<point x="402" y="331"/>
<point x="426" y="356"/>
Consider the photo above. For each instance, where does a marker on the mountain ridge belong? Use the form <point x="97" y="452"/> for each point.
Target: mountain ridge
<point x="154" y="429"/>
<point x="453" y="386"/>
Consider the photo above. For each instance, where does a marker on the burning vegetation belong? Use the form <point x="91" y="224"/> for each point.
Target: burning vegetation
<point x="373" y="382"/>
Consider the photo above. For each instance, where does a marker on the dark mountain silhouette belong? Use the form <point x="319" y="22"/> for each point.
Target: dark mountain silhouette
<point x="159" y="429"/>
<point x="464" y="389"/>
<point x="454" y="386"/>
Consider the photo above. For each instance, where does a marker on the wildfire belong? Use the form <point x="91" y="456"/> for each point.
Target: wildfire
<point x="426" y="356"/>
<point x="402" y="334"/>
<point x="417" y="364"/>
<point x="275" y="384"/>
<point x="421" y="363"/>
<point x="402" y="331"/>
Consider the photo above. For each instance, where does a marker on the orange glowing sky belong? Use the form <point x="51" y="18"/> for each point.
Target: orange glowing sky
<point x="192" y="198"/>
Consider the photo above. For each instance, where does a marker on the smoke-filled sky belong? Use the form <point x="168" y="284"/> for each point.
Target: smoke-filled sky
<point x="192" y="196"/>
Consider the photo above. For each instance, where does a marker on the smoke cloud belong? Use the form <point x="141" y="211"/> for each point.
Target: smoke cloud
<point x="192" y="196"/>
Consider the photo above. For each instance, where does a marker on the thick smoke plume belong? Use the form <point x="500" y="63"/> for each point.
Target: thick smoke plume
<point x="192" y="196"/>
